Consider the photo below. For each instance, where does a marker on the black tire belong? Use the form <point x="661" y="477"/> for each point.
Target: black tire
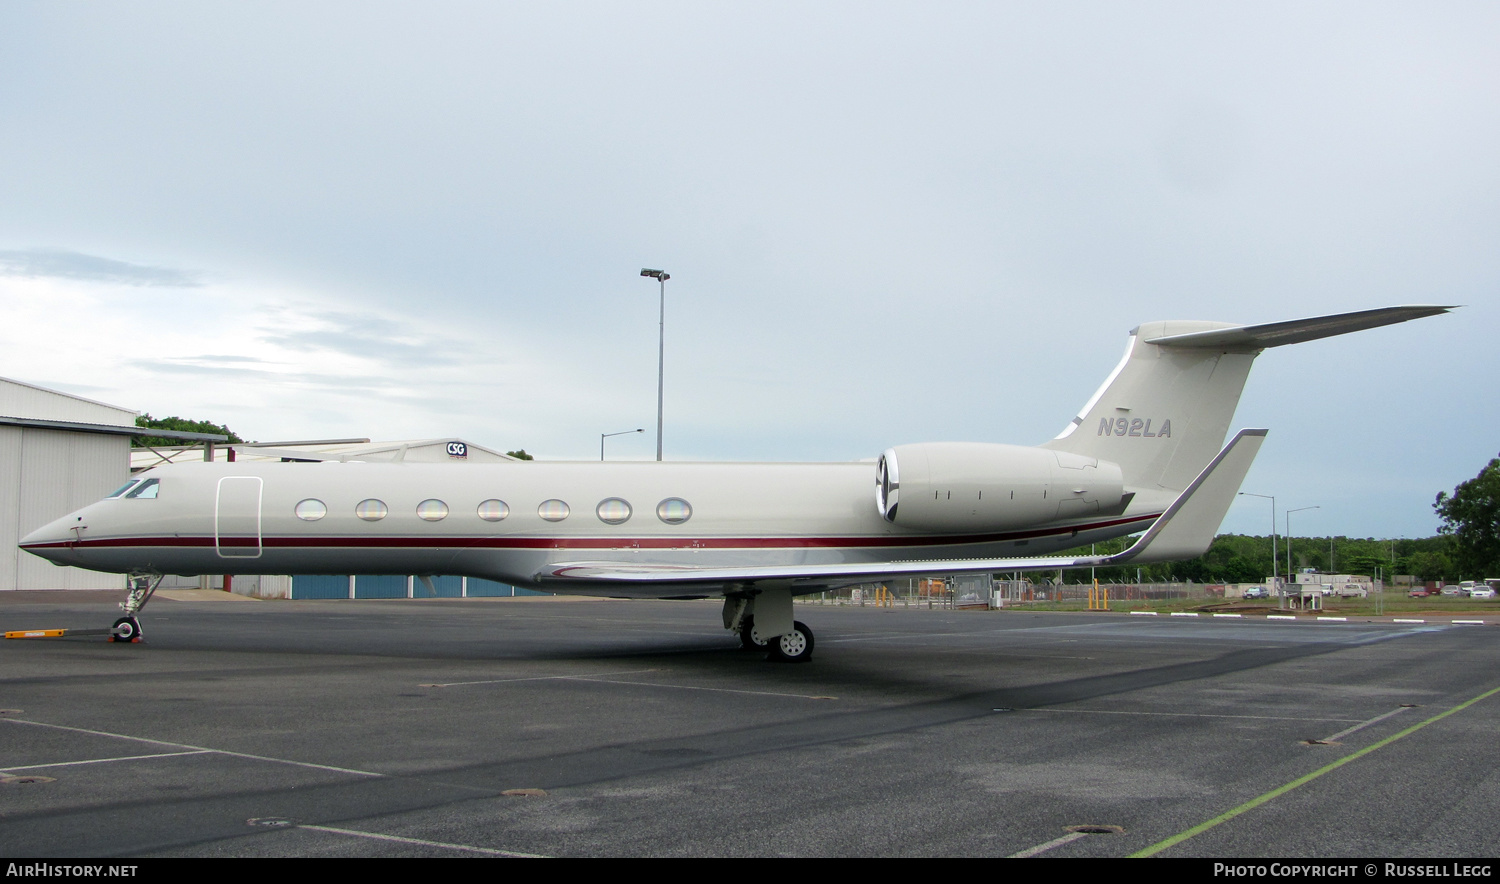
<point x="127" y="629"/>
<point x="748" y="641"/>
<point x="794" y="647"/>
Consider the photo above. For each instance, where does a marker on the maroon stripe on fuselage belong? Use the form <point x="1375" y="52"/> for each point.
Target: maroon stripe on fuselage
<point x="448" y="542"/>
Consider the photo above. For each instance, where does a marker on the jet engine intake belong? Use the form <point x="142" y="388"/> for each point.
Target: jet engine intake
<point x="977" y="486"/>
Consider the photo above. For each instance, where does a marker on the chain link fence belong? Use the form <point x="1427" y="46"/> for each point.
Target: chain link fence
<point x="983" y="591"/>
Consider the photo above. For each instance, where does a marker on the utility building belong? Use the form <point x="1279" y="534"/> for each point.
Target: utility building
<point x="58" y="453"/>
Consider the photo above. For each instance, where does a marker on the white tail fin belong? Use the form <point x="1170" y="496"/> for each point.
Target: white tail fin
<point x="1163" y="413"/>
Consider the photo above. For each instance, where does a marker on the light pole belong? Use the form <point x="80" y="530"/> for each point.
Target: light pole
<point x="660" y="276"/>
<point x="1289" y="536"/>
<point x="603" y="436"/>
<point x="1272" y="499"/>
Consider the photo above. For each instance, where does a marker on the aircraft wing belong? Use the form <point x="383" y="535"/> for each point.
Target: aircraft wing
<point x="1185" y="530"/>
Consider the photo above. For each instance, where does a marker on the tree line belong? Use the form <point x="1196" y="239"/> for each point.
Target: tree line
<point x="1467" y="547"/>
<point x="1241" y="558"/>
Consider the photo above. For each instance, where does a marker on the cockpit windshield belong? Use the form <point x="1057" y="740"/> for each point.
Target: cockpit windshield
<point x="147" y="490"/>
<point x="122" y="489"/>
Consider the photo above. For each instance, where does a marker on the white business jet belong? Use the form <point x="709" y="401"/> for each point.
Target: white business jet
<point x="1143" y="455"/>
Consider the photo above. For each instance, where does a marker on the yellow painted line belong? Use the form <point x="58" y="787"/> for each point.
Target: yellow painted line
<point x="1253" y="803"/>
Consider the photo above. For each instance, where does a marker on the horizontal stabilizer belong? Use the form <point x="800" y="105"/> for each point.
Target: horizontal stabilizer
<point x="1184" y="531"/>
<point x="1295" y="331"/>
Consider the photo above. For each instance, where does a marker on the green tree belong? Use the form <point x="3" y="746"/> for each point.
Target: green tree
<point x="520" y="455"/>
<point x="1471" y="516"/>
<point x="180" y="425"/>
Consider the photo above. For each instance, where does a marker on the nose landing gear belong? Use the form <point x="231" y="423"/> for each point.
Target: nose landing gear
<point x="142" y="588"/>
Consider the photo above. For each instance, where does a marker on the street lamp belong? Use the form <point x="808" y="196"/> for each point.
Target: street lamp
<point x="603" y="436"/>
<point x="1289" y="536"/>
<point x="1272" y="499"/>
<point x="660" y="276"/>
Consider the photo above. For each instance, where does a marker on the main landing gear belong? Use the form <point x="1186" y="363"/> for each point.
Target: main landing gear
<point x="750" y="640"/>
<point x="142" y="588"/>
<point x="795" y="646"/>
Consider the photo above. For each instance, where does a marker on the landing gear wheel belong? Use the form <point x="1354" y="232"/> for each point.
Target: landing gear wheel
<point x="748" y="639"/>
<point x="794" y="647"/>
<point x="127" y="629"/>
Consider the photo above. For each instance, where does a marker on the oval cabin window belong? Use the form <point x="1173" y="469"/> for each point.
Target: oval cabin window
<point x="311" y="509"/>
<point x="493" y="510"/>
<point x="553" y="510"/>
<point x="674" y="511"/>
<point x="372" y="510"/>
<point x="613" y="511"/>
<point x="432" y="510"/>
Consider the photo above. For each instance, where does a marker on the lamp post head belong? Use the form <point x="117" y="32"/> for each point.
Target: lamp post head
<point x="656" y="274"/>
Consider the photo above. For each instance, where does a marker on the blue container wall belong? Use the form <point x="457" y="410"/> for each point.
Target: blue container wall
<point x="320" y="586"/>
<point x="446" y="587"/>
<point x="393" y="586"/>
<point x="382" y="586"/>
<point x="480" y="588"/>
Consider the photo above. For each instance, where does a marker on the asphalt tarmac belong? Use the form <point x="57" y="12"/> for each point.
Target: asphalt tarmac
<point x="628" y="728"/>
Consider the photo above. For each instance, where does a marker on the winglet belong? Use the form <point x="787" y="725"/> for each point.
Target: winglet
<point x="1187" y="528"/>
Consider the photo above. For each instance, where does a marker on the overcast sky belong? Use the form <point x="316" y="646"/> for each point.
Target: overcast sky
<point x="885" y="223"/>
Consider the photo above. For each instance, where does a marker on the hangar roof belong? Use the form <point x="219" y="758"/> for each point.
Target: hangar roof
<point x="446" y="449"/>
<point x="19" y="399"/>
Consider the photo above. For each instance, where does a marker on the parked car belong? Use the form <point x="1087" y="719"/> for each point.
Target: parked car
<point x="1454" y="590"/>
<point x="1482" y="593"/>
<point x="1256" y="592"/>
<point x="1418" y="594"/>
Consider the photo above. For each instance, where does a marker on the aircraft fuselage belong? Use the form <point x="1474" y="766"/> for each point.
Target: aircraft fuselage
<point x="507" y="522"/>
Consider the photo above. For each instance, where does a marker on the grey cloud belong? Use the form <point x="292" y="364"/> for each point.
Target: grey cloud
<point x="207" y="358"/>
<point x="335" y="382"/>
<point x="63" y="264"/>
<point x="168" y="366"/>
<point x="371" y="338"/>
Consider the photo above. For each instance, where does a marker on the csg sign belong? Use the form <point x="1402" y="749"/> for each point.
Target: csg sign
<point x="458" y="449"/>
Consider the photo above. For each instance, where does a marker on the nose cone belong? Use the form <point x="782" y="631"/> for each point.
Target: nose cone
<point x="56" y="541"/>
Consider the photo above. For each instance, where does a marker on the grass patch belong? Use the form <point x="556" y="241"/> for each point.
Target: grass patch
<point x="1392" y="605"/>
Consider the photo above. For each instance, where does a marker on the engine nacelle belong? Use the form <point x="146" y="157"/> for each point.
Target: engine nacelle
<point x="976" y="486"/>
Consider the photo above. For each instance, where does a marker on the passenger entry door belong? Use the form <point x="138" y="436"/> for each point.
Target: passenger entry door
<point x="237" y="517"/>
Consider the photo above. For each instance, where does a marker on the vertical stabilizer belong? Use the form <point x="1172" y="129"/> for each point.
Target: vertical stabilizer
<point x="1163" y="413"/>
